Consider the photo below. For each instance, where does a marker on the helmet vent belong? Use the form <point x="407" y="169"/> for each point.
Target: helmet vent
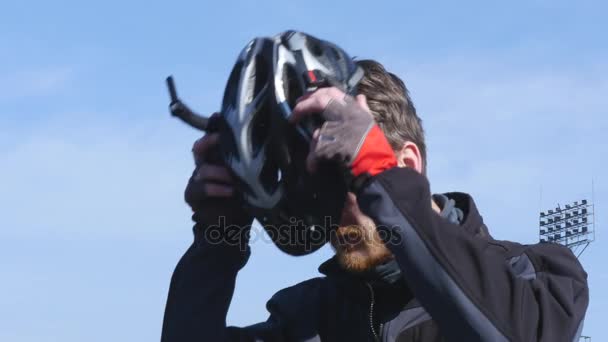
<point x="337" y="54"/>
<point x="260" y="129"/>
<point x="270" y="176"/>
<point x="292" y="87"/>
<point x="314" y="47"/>
<point x="260" y="75"/>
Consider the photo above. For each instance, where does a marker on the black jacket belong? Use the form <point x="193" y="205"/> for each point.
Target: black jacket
<point x="475" y="288"/>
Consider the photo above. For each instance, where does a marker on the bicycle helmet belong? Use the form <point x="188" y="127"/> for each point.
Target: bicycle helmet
<point x="266" y="153"/>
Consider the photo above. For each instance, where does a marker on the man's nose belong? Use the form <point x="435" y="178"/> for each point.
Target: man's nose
<point x="350" y="202"/>
<point x="350" y="209"/>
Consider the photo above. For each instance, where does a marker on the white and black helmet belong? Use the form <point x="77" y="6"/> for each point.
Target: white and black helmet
<point x="266" y="153"/>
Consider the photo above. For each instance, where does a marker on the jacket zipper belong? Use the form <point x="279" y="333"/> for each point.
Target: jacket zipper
<point x="378" y="334"/>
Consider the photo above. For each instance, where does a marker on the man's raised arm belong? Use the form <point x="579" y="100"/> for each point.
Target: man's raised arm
<point x="203" y="282"/>
<point x="476" y="289"/>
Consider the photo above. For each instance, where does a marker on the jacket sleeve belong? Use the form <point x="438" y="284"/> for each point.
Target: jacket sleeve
<point x="476" y="289"/>
<point x="201" y="289"/>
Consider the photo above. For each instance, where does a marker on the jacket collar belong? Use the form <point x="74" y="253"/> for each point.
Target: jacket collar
<point x="471" y="222"/>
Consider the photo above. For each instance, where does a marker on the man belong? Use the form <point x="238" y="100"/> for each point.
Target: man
<point x="409" y="266"/>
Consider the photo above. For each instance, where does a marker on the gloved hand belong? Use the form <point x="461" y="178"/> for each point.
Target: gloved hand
<point x="211" y="191"/>
<point x="348" y="136"/>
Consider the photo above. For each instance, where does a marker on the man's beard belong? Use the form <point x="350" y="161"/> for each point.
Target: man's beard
<point x="359" y="248"/>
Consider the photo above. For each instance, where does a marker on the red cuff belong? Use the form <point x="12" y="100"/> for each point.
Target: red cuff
<point x="375" y="155"/>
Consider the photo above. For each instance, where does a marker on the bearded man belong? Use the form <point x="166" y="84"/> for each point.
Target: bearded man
<point x="408" y="265"/>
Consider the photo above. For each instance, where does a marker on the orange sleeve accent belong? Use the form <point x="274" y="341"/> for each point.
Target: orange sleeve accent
<point x="375" y="155"/>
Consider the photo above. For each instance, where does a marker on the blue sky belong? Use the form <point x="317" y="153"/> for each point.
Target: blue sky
<point x="92" y="167"/>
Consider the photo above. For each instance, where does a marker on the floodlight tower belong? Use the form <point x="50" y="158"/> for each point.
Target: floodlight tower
<point x="571" y="226"/>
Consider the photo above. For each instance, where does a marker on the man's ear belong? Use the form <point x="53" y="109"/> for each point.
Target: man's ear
<point x="409" y="156"/>
<point x="362" y="101"/>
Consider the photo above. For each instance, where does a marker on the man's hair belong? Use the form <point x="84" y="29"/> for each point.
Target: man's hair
<point x="392" y="108"/>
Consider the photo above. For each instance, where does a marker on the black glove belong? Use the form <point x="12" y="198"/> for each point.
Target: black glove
<point x="212" y="193"/>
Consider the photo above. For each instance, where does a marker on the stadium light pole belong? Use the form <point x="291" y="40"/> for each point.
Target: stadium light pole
<point x="571" y="226"/>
